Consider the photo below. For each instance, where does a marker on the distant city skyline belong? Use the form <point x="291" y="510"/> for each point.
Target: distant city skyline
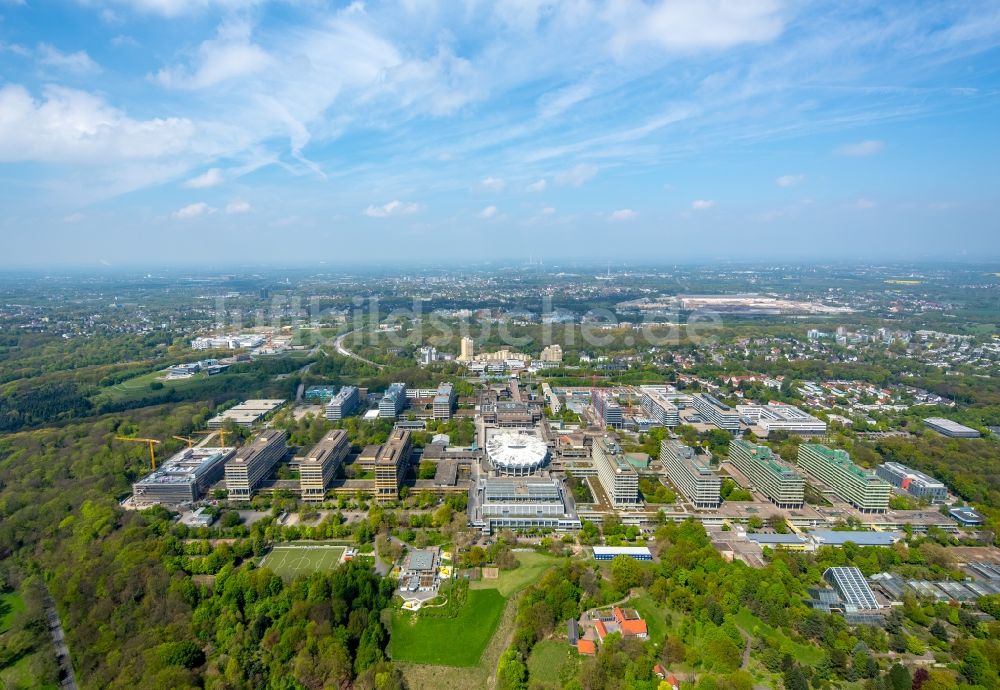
<point x="221" y="132"/>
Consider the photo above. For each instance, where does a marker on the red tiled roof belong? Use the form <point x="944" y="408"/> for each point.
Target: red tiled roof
<point x="586" y="647"/>
<point x="601" y="630"/>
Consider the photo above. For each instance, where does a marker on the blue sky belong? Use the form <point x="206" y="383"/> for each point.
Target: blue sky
<point x="167" y="131"/>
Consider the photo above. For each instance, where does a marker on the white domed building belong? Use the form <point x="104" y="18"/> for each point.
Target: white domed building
<point x="516" y="454"/>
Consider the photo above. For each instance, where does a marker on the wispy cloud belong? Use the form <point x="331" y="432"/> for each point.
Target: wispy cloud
<point x="790" y="180"/>
<point x="493" y="184"/>
<point x="392" y="208"/>
<point x="702" y="204"/>
<point x="622" y="214"/>
<point x="488" y="212"/>
<point x="210" y="178"/>
<point x="862" y="148"/>
<point x="577" y="175"/>
<point x="79" y="62"/>
<point x="865" y="204"/>
<point x="237" y="207"/>
<point x="537" y="186"/>
<point x="193" y="211"/>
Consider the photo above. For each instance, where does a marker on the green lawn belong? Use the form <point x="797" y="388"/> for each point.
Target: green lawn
<point x="289" y="561"/>
<point x="547" y="659"/>
<point x="654" y="615"/>
<point x="138" y="387"/>
<point x="531" y="567"/>
<point x="10" y="604"/>
<point x="457" y="641"/>
<point x="805" y="654"/>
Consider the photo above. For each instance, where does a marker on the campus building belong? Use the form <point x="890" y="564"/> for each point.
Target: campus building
<point x="523" y="504"/>
<point x="393" y="402"/>
<point x="320" y="465"/>
<point x="391" y="464"/>
<point x="253" y="463"/>
<point x="861" y="488"/>
<point x="946" y="427"/>
<point x="691" y="474"/>
<point x="182" y="478"/>
<point x="656" y="405"/>
<point x="246" y="414"/>
<point x="714" y="411"/>
<point x="780" y="484"/>
<point x="607" y="408"/>
<point x="343" y="403"/>
<point x="780" y="417"/>
<point x="552" y="353"/>
<point x="913" y="482"/>
<point x="444" y="401"/>
<point x="617" y="476"/>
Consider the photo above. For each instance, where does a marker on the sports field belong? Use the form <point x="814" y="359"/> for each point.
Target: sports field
<point x="291" y="560"/>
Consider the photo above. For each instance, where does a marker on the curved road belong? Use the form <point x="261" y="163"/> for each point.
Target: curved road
<point x="338" y="344"/>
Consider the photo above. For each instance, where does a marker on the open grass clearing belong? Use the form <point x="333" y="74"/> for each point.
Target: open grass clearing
<point x="805" y="654"/>
<point x="530" y="568"/>
<point x="456" y="641"/>
<point x="547" y="660"/>
<point x="11" y="603"/>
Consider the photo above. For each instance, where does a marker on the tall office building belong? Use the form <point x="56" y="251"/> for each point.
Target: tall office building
<point x="716" y="412"/>
<point x="551" y="353"/>
<point x="619" y="479"/>
<point x="607" y="408"/>
<point x="691" y="474"/>
<point x="393" y="401"/>
<point x="182" y="478"/>
<point x="391" y="464"/>
<point x="444" y="401"/>
<point x="859" y="487"/>
<point x="656" y="405"/>
<point x="468" y="349"/>
<point x="343" y="403"/>
<point x="779" y="483"/>
<point x="253" y="463"/>
<point x="320" y="465"/>
<point x="913" y="482"/>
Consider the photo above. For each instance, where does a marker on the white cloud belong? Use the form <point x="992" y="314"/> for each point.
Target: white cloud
<point x="538" y="186"/>
<point x="488" y="212"/>
<point x="229" y="55"/>
<point x="702" y="204"/>
<point x="78" y="62"/>
<point x="577" y="175"/>
<point x="210" y="178"/>
<point x="557" y="102"/>
<point x="789" y="180"/>
<point x="862" y="148"/>
<point x="236" y="207"/>
<point x="176" y="8"/>
<point x="865" y="204"/>
<point x="392" y="208"/>
<point x="493" y="184"/>
<point x="622" y="214"/>
<point x="71" y="126"/>
<point x="73" y="217"/>
<point x="689" y="25"/>
<point x="548" y="211"/>
<point x="193" y="211"/>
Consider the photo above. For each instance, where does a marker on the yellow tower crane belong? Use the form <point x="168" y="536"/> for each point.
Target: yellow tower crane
<point x="151" y="441"/>
<point x="221" y="432"/>
<point x="189" y="441"/>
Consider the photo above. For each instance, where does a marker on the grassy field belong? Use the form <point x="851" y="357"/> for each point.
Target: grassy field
<point x="427" y="640"/>
<point x="10" y="604"/>
<point x="530" y="568"/>
<point x="547" y="659"/>
<point x="654" y="615"/>
<point x="138" y="387"/>
<point x="289" y="561"/>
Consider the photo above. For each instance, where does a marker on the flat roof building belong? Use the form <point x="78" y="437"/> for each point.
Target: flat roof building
<point x="779" y="483"/>
<point x="253" y="463"/>
<point x="913" y="482"/>
<point x="619" y="479"/>
<point x="607" y="553"/>
<point x="391" y="465"/>
<point x="966" y="516"/>
<point x="946" y="427"/>
<point x="780" y="417"/>
<point x="444" y="401"/>
<point x="523" y="504"/>
<point x="716" y="412"/>
<point x="320" y="465"/>
<point x="656" y="405"/>
<point x="182" y="478"/>
<point x="691" y="474"/>
<point x="861" y="488"/>
<point x="607" y="408"/>
<point x="246" y="414"/>
<point x="852" y="588"/>
<point x="343" y="403"/>
<point x="393" y="402"/>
